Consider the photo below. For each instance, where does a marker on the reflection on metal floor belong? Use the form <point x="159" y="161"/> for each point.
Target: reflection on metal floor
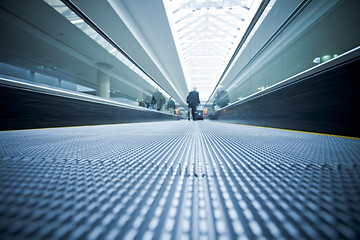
<point x="180" y="180"/>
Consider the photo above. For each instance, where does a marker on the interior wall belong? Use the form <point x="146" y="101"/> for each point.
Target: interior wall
<point x="322" y="28"/>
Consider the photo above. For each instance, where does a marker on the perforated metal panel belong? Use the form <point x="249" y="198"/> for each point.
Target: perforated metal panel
<point x="179" y="180"/>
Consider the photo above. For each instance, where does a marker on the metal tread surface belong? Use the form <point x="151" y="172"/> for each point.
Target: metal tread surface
<point x="178" y="180"/>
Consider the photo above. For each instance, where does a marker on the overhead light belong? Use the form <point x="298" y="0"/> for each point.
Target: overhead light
<point x="324" y="58"/>
<point x="112" y="50"/>
<point x="77" y="21"/>
<point x="316" y="60"/>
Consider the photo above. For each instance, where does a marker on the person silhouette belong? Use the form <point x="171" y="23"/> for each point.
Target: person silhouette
<point x="158" y="100"/>
<point x="193" y="100"/>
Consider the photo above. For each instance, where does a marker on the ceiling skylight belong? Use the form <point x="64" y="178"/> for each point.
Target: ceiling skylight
<point x="206" y="34"/>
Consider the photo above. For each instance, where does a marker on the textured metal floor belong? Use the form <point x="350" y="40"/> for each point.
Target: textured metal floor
<point x="179" y="180"/>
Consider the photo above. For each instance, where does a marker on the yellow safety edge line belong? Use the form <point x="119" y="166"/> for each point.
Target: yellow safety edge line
<point x="315" y="133"/>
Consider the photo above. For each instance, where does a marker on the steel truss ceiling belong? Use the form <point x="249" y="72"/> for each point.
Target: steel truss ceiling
<point x="206" y="34"/>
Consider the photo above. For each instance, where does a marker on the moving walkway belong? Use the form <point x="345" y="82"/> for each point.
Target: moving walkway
<point x="178" y="180"/>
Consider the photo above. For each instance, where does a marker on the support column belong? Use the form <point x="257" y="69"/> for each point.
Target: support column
<point x="103" y="80"/>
